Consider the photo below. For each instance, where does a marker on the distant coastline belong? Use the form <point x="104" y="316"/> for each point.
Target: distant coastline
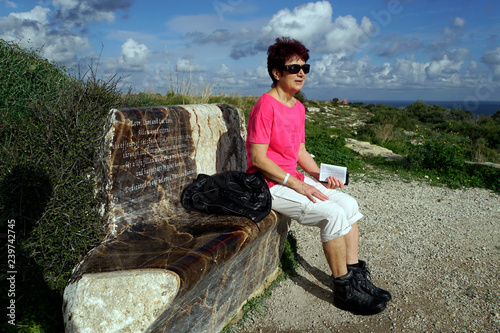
<point x="486" y="108"/>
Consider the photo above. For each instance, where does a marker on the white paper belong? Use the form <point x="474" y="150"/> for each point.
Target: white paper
<point x="327" y="170"/>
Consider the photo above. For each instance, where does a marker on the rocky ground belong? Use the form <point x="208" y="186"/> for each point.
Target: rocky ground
<point x="435" y="249"/>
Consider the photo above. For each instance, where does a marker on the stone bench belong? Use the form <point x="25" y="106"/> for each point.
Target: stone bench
<point x="160" y="268"/>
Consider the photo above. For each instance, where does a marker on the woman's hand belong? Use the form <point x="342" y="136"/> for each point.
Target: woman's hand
<point x="333" y="183"/>
<point x="310" y="191"/>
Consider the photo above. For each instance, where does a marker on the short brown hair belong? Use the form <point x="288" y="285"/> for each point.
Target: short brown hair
<point x="284" y="49"/>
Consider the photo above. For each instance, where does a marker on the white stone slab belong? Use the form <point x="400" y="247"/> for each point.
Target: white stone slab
<point x="124" y="301"/>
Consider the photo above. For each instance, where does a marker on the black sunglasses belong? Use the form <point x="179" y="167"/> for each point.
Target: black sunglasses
<point x="294" y="69"/>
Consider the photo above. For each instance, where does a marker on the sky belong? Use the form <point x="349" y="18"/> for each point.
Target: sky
<point x="432" y="50"/>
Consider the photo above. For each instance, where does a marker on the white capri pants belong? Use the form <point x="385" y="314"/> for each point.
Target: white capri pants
<point x="334" y="216"/>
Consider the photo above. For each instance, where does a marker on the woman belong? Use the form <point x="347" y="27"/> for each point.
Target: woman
<point x="275" y="145"/>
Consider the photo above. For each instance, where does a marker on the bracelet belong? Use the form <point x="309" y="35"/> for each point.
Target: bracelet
<point x="286" y="178"/>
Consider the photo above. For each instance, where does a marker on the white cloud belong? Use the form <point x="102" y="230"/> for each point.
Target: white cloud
<point x="474" y="74"/>
<point x="134" y="56"/>
<point x="444" y="70"/>
<point x="346" y="34"/>
<point x="206" y="24"/>
<point x="37" y="14"/>
<point x="394" y="46"/>
<point x="78" y="13"/>
<point x="154" y="78"/>
<point x="451" y="35"/>
<point x="187" y="66"/>
<point x="459" y="22"/>
<point x="304" y="23"/>
<point x="459" y="55"/>
<point x="312" y="24"/>
<point x="26" y="26"/>
<point x="473" y="66"/>
<point x="492" y="60"/>
<point x="32" y="29"/>
<point x="9" y="4"/>
<point x="224" y="72"/>
<point x="66" y="4"/>
<point x="339" y="71"/>
<point x="409" y="72"/>
<point x="65" y="49"/>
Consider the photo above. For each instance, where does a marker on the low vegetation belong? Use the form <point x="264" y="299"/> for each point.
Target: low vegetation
<point x="51" y="123"/>
<point x="449" y="146"/>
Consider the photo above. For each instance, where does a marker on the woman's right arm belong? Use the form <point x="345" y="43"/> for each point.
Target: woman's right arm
<point x="271" y="170"/>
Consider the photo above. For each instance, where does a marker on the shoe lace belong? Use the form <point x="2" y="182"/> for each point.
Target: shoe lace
<point x="354" y="286"/>
<point x="365" y="273"/>
<point x="356" y="291"/>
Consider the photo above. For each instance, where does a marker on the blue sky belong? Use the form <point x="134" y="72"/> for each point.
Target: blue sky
<point x="360" y="50"/>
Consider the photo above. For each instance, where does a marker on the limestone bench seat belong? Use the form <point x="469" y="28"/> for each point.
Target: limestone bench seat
<point x="161" y="268"/>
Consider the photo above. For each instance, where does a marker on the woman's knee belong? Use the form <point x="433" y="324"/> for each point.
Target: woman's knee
<point x="349" y="205"/>
<point x="332" y="229"/>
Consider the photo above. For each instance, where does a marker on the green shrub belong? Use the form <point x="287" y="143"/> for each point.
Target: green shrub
<point x="27" y="79"/>
<point x="301" y="96"/>
<point x="483" y="176"/>
<point x="386" y="127"/>
<point x="330" y="148"/>
<point x="398" y="118"/>
<point x="66" y="142"/>
<point x="357" y="104"/>
<point x="458" y="114"/>
<point x="288" y="261"/>
<point x="243" y="103"/>
<point x="49" y="136"/>
<point x="490" y="129"/>
<point x="443" y="158"/>
<point x="418" y="109"/>
<point x="483" y="134"/>
<point x="442" y="153"/>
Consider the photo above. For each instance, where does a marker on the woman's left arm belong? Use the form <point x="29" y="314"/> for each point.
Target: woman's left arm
<point x="310" y="166"/>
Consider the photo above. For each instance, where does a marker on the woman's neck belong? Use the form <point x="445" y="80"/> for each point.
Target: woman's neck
<point x="282" y="96"/>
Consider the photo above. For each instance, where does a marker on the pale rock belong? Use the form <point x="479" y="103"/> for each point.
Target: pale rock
<point x="93" y="304"/>
<point x="367" y="149"/>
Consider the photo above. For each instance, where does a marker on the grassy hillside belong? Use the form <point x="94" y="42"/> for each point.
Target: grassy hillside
<point x="438" y="142"/>
<point x="50" y="123"/>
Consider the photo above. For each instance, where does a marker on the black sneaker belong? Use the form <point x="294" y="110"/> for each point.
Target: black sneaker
<point x="361" y="274"/>
<point x="347" y="295"/>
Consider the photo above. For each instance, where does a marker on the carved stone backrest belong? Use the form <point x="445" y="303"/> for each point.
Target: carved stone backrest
<point x="151" y="154"/>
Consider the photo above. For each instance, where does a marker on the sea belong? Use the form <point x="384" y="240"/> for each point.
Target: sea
<point x="485" y="108"/>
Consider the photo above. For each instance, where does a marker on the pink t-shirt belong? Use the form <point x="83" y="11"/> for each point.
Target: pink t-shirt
<point x="282" y="128"/>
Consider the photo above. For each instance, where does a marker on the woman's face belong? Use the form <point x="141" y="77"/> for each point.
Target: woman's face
<point x="291" y="83"/>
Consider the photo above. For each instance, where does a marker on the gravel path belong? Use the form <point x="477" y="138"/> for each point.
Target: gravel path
<point x="435" y="249"/>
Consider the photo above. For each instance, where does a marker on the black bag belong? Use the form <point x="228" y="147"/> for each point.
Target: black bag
<point x="229" y="193"/>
